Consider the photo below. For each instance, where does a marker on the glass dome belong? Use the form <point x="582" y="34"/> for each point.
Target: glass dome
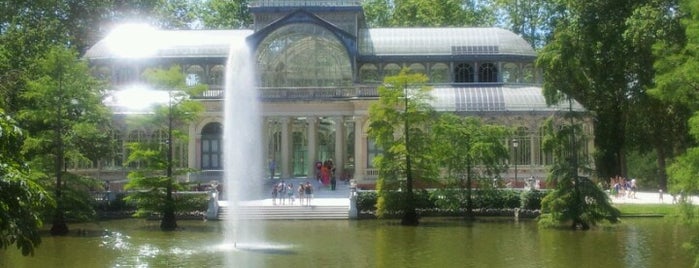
<point x="303" y="55"/>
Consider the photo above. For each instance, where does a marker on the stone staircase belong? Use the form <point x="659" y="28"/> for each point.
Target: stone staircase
<point x="286" y="212"/>
<point x="326" y="205"/>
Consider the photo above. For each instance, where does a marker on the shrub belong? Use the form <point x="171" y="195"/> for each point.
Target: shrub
<point x="366" y="200"/>
<point x="531" y="200"/>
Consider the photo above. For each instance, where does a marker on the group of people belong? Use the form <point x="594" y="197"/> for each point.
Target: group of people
<point x="325" y="173"/>
<point x="283" y="192"/>
<point x="622" y="187"/>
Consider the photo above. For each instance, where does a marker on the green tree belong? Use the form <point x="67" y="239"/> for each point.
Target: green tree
<point x="224" y="14"/>
<point x="155" y="179"/>
<point x="61" y="100"/>
<point x="596" y="57"/>
<point x="654" y="124"/>
<point x="532" y="19"/>
<point x="575" y="200"/>
<point x="377" y="13"/>
<point x="469" y="148"/>
<point x="678" y="83"/>
<point x="400" y="124"/>
<point x="425" y="13"/>
<point x="21" y="198"/>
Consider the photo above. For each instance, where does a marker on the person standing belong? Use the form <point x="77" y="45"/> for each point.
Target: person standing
<point x="308" y="193"/>
<point x="290" y="193"/>
<point x="272" y="167"/>
<point x="275" y="193"/>
<point x="302" y="194"/>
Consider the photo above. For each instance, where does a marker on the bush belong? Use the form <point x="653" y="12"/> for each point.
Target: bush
<point x="449" y="199"/>
<point x="494" y="198"/>
<point x="366" y="200"/>
<point x="531" y="200"/>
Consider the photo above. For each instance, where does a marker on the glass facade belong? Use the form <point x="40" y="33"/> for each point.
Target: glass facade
<point x="303" y="55"/>
<point x="318" y="70"/>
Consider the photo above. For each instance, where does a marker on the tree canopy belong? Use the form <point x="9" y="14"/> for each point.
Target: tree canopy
<point x="400" y="124"/>
<point x="471" y="149"/>
<point x="22" y="199"/>
<point x="155" y="176"/>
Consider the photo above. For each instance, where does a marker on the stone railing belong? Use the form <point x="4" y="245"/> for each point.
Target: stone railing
<point x="301" y="93"/>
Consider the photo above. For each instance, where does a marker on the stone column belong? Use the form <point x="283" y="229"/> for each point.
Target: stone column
<point x="286" y="147"/>
<point x="312" y="130"/>
<point x="339" y="159"/>
<point x="194" y="147"/>
<point x="360" y="151"/>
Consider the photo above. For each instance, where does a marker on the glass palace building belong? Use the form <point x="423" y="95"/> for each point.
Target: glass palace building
<point x="319" y="67"/>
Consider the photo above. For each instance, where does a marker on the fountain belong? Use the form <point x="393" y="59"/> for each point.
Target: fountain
<point x="242" y="152"/>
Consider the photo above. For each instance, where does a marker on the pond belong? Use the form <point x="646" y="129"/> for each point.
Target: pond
<point x="437" y="242"/>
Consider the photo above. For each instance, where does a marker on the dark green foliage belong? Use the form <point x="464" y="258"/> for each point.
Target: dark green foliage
<point x="493" y="198"/>
<point x="225" y="14"/>
<point x="21" y="198"/>
<point x="399" y="124"/>
<point x="119" y="204"/>
<point x="155" y="181"/>
<point x="449" y="200"/>
<point x="366" y="201"/>
<point x="77" y="202"/>
<point x="531" y="200"/>
<point x="469" y="150"/>
<point x="581" y="205"/>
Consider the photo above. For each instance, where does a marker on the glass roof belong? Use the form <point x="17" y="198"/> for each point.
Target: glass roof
<point x="307" y="3"/>
<point x="442" y="41"/>
<point x="197" y="43"/>
<point x="371" y="42"/>
<point x="494" y="99"/>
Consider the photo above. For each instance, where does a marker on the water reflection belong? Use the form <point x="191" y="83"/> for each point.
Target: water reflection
<point x="435" y="243"/>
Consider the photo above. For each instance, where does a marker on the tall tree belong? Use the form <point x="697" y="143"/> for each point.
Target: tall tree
<point x="62" y="98"/>
<point x="21" y="198"/>
<point x="377" y="13"/>
<point x="592" y="59"/>
<point x="224" y="14"/>
<point x="470" y="149"/>
<point x="576" y="200"/>
<point x="399" y="124"/>
<point x="433" y="13"/>
<point x="156" y="175"/>
<point x="532" y="19"/>
<point x="678" y="83"/>
<point x="654" y="124"/>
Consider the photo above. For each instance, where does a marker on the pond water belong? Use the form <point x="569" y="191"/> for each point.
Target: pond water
<point x="437" y="242"/>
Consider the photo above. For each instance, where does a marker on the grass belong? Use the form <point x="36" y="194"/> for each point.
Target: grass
<point x="646" y="209"/>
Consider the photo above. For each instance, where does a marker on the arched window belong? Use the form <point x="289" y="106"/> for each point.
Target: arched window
<point x="391" y="69"/>
<point x="211" y="137"/>
<point x="303" y="55"/>
<point x="194" y="75"/>
<point x="439" y="73"/>
<point x="463" y="73"/>
<point x="417" y="68"/>
<point x="487" y="72"/>
<point x="102" y="72"/>
<point x="510" y="73"/>
<point x="368" y="73"/>
<point x="216" y="75"/>
<point x="125" y="75"/>
<point x="528" y="73"/>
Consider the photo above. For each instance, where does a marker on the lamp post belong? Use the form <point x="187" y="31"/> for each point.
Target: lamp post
<point x="515" y="143"/>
